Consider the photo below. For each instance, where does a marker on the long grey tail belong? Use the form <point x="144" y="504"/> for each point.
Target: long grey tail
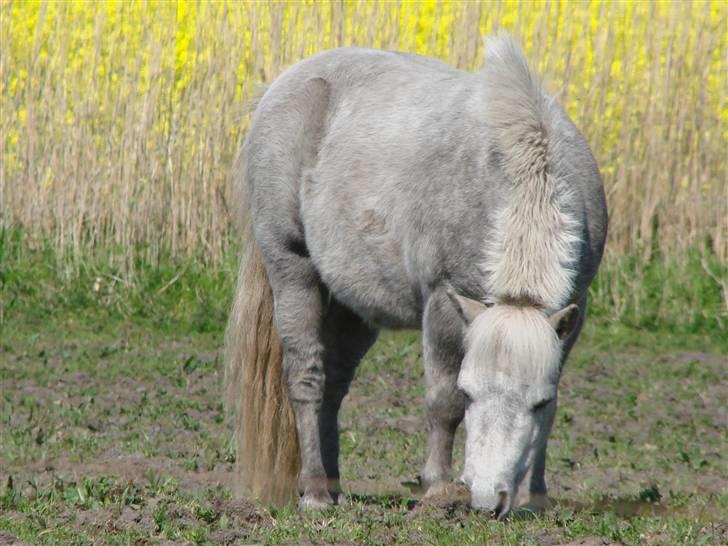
<point x="267" y="452"/>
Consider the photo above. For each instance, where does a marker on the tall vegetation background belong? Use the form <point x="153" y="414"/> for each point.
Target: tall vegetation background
<point x="120" y="121"/>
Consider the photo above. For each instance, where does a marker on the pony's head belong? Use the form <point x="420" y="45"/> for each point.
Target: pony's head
<point x="509" y="374"/>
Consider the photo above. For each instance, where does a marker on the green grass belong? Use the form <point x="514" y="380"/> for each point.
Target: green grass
<point x="184" y="294"/>
<point x="179" y="294"/>
<point x="112" y="429"/>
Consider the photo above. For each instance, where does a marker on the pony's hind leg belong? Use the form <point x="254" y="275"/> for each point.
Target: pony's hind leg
<point x="445" y="403"/>
<point x="282" y="144"/>
<point x="298" y="296"/>
<point x="347" y="338"/>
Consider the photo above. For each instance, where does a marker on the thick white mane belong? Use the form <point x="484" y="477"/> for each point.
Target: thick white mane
<point x="532" y="252"/>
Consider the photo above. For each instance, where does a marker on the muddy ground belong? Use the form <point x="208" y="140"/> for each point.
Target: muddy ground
<point x="116" y="434"/>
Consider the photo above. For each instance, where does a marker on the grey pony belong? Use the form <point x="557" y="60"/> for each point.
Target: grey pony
<point x="375" y="183"/>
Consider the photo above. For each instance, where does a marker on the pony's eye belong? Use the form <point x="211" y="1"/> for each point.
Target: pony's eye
<point x="542" y="404"/>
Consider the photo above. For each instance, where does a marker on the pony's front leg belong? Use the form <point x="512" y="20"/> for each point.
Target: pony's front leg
<point x="298" y="314"/>
<point x="532" y="492"/>
<point x="443" y="354"/>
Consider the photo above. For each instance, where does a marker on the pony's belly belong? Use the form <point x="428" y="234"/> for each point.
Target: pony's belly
<point x="380" y="308"/>
<point x="364" y="270"/>
<point x="380" y="295"/>
<point x="352" y="226"/>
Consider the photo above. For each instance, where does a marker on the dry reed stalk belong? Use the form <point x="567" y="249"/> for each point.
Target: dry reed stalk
<point x="119" y="126"/>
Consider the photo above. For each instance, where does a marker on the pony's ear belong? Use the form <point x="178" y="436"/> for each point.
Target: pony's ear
<point x="467" y="309"/>
<point x="564" y="321"/>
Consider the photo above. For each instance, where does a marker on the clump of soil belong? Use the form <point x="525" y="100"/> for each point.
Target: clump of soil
<point x="243" y="512"/>
<point x="450" y="501"/>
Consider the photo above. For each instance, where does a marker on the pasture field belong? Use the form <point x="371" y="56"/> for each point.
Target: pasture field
<point x="119" y="126"/>
<point x="112" y="429"/>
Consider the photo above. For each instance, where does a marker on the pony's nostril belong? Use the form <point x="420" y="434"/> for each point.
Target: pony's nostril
<point x="504" y="504"/>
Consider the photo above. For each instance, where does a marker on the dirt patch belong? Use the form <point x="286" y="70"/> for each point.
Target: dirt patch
<point x="126" y="467"/>
<point x="226" y="536"/>
<point x="243" y="512"/>
<point x="9" y="539"/>
<point x="623" y="420"/>
<point x="94" y="518"/>
<point x="590" y="541"/>
<point x="545" y="537"/>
